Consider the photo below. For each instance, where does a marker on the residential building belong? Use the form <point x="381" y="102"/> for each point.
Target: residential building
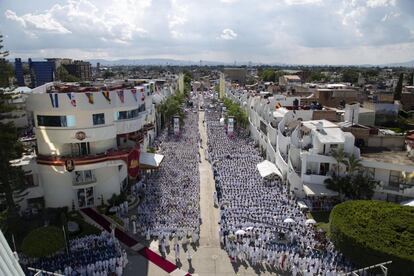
<point x="41" y="72"/>
<point x="301" y="141"/>
<point x="90" y="141"/>
<point x="80" y="69"/>
<point x="236" y="74"/>
<point x="18" y="72"/>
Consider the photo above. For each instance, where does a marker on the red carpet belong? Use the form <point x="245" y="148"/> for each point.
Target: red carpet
<point x="147" y="253"/>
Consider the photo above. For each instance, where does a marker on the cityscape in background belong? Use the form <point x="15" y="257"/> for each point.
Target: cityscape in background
<point x="138" y="147"/>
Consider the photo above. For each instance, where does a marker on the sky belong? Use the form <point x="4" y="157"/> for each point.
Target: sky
<point x="266" y="31"/>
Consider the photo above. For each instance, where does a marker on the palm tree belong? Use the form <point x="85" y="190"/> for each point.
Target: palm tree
<point x="353" y="164"/>
<point x="339" y="156"/>
<point x="363" y="186"/>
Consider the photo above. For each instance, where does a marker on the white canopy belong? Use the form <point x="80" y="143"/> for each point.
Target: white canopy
<point x="408" y="203"/>
<point x="318" y="190"/>
<point x="267" y="168"/>
<point x="150" y="160"/>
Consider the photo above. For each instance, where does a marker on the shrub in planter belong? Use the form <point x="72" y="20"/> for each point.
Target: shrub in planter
<point x="43" y="241"/>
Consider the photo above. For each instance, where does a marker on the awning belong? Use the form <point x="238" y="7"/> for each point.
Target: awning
<point x="150" y="160"/>
<point x="408" y="203"/>
<point x="267" y="168"/>
<point x="318" y="190"/>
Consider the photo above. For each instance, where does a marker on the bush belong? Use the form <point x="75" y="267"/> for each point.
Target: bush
<point x="371" y="232"/>
<point x="43" y="241"/>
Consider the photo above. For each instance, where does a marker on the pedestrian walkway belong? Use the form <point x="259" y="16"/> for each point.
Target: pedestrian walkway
<point x="133" y="244"/>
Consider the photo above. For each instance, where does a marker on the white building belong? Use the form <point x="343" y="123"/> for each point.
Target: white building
<point x="88" y="140"/>
<point x="301" y="147"/>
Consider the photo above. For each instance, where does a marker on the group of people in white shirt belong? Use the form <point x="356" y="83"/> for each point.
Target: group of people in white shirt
<point x="92" y="255"/>
<point x="170" y="208"/>
<point x="260" y="222"/>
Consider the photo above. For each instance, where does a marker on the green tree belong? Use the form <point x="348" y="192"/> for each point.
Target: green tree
<point x="6" y="70"/>
<point x="108" y="74"/>
<point x="362" y="186"/>
<point x="339" y="156"/>
<point x="398" y="88"/>
<point x="353" y="164"/>
<point x="63" y="75"/>
<point x="11" y="177"/>
<point x="350" y="75"/>
<point x="411" y="81"/>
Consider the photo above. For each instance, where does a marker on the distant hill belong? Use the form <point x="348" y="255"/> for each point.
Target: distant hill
<point x="151" y="61"/>
<point x="399" y="64"/>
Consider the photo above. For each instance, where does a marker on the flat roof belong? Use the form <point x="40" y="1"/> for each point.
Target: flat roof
<point x="331" y="136"/>
<point x="312" y="124"/>
<point x="387" y="156"/>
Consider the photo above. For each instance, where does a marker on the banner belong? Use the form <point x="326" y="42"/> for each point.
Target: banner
<point x="133" y="163"/>
<point x="72" y="99"/>
<point x="121" y="95"/>
<point x="230" y="126"/>
<point x="134" y="94"/>
<point x="54" y="99"/>
<point x="106" y="95"/>
<point x="89" y="95"/>
<point x="176" y="125"/>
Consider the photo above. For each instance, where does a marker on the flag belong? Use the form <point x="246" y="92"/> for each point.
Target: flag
<point x="106" y="95"/>
<point x="54" y="99"/>
<point x="134" y="94"/>
<point x="121" y="95"/>
<point x="71" y="96"/>
<point x="89" y="95"/>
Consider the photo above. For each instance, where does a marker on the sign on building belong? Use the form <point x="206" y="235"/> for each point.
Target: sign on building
<point x="176" y="124"/>
<point x="230" y="126"/>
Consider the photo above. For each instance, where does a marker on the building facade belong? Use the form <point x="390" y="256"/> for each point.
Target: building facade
<point x="301" y="144"/>
<point x="88" y="141"/>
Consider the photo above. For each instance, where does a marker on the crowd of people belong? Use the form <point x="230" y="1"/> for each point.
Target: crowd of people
<point x="92" y="255"/>
<point x="170" y="202"/>
<point x="259" y="221"/>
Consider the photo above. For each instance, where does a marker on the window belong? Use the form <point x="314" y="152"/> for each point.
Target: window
<point x="124" y="115"/>
<point x="56" y="121"/>
<point x="141" y="108"/>
<point x="396" y="178"/>
<point x="53" y="121"/>
<point x="98" y="119"/>
<point x="83" y="177"/>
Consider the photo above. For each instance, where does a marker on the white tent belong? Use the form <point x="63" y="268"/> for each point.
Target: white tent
<point x="408" y="203"/>
<point x="267" y="168"/>
<point x="318" y="190"/>
<point x="150" y="160"/>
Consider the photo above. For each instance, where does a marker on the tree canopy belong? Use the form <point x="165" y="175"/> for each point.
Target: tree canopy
<point x="369" y="232"/>
<point x="63" y="75"/>
<point x="237" y="112"/>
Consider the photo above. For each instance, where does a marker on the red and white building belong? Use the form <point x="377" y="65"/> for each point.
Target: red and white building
<point x="88" y="140"/>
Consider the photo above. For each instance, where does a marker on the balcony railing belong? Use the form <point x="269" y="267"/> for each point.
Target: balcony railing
<point x="84" y="181"/>
<point x="112" y="154"/>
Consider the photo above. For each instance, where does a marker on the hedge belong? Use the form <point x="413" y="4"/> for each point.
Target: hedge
<point x="43" y="241"/>
<point x="370" y="232"/>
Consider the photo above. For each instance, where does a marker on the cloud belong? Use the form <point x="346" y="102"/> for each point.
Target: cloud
<point x="329" y="31"/>
<point x="42" y="22"/>
<point x="228" y="34"/>
<point x="380" y="3"/>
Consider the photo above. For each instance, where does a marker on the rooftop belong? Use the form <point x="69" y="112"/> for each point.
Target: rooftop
<point x="387" y="156"/>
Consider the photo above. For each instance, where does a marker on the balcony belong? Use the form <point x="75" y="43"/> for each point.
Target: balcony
<point x="148" y="127"/>
<point x="112" y="154"/>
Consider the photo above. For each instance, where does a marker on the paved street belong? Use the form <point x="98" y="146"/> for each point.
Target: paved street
<point x="208" y="259"/>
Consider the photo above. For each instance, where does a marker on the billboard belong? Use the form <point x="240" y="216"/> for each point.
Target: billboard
<point x="230" y="126"/>
<point x="176" y="123"/>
